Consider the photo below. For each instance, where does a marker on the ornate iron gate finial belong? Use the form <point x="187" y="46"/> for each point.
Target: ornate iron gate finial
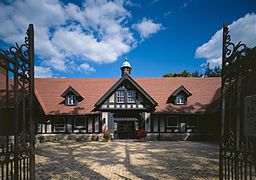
<point x="230" y="52"/>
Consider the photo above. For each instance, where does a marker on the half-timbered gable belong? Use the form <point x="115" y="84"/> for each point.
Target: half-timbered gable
<point x="126" y="94"/>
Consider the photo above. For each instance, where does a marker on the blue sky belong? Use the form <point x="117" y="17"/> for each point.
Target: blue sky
<point x="89" y="38"/>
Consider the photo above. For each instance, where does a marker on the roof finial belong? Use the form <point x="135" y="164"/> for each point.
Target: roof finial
<point x="125" y="57"/>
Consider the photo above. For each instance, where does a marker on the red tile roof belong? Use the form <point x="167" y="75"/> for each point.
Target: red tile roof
<point x="205" y="93"/>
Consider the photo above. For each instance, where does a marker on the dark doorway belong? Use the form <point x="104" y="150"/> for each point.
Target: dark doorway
<point x="126" y="129"/>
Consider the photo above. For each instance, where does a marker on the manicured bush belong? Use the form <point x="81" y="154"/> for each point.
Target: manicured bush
<point x="108" y="134"/>
<point x="141" y="133"/>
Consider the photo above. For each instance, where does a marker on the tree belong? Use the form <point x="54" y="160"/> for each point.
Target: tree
<point x="185" y="73"/>
<point x="196" y="73"/>
<point x="168" y="75"/>
<point x="208" y="71"/>
<point x="216" y="71"/>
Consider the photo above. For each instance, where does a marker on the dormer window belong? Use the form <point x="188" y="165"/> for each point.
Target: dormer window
<point x="180" y="99"/>
<point x="72" y="97"/>
<point x="71" y="100"/>
<point x="179" y="96"/>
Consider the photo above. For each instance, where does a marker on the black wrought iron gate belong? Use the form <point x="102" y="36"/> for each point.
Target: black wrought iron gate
<point x="17" y="139"/>
<point x="238" y="143"/>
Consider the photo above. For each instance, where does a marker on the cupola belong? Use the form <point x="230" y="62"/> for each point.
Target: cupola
<point x="126" y="67"/>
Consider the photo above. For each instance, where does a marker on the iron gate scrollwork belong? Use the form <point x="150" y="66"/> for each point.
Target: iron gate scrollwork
<point x="237" y="150"/>
<point x="17" y="129"/>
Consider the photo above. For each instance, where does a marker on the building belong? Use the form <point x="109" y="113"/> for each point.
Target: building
<point x="165" y="107"/>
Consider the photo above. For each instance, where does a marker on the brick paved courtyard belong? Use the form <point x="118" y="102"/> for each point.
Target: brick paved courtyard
<point x="127" y="160"/>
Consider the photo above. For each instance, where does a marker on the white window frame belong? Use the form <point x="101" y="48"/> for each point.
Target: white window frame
<point x="71" y="99"/>
<point x="120" y="98"/>
<point x="39" y="127"/>
<point x="180" y="99"/>
<point x="131" y="98"/>
<point x="58" y="124"/>
<point x="177" y="122"/>
<point x="80" y="127"/>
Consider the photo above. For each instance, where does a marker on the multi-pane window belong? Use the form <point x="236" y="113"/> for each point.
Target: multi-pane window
<point x="172" y="121"/>
<point x="59" y="125"/>
<point x="71" y="100"/>
<point x="180" y="99"/>
<point x="79" y="122"/>
<point x="131" y="96"/>
<point x="120" y="96"/>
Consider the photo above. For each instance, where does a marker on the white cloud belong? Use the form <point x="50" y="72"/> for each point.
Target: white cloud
<point x="76" y="42"/>
<point x="14" y="18"/>
<point x="96" y="32"/>
<point x="184" y="5"/>
<point x="168" y="13"/>
<point x="86" y="68"/>
<point x="132" y="4"/>
<point x="242" y="30"/>
<point x="147" y="27"/>
<point x="154" y="1"/>
<point x="43" y="72"/>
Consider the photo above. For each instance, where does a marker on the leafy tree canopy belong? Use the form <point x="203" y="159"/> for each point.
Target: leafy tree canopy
<point x="215" y="72"/>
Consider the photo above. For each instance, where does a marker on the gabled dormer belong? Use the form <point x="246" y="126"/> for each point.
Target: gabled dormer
<point x="72" y="97"/>
<point x="179" y="96"/>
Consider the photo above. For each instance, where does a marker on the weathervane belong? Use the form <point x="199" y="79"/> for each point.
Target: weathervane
<point x="125" y="57"/>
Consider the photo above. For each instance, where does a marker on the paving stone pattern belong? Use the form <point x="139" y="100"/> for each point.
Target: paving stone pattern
<point x="127" y="160"/>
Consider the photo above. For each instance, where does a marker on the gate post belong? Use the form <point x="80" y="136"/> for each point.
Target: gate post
<point x="16" y="120"/>
<point x="223" y="92"/>
<point x="237" y="129"/>
<point x="31" y="101"/>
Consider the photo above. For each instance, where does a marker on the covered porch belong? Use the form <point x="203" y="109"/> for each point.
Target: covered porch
<point x="124" y="124"/>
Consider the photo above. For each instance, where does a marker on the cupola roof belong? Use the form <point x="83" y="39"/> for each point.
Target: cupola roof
<point x="126" y="64"/>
